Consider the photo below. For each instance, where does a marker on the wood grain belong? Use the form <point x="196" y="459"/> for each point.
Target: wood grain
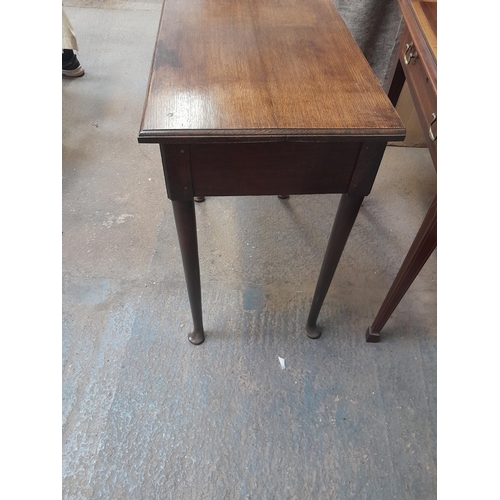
<point x="422" y="86"/>
<point x="267" y="68"/>
<point x="422" y="45"/>
<point x="426" y="15"/>
<point x="272" y="168"/>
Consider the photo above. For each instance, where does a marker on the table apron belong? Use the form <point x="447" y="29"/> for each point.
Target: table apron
<point x="268" y="168"/>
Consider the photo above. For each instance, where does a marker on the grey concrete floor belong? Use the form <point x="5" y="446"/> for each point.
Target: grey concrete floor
<point x="146" y="415"/>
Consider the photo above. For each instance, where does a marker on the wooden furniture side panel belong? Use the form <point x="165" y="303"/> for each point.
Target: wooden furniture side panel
<point x="272" y="168"/>
<point x="175" y="159"/>
<point x="426" y="16"/>
<point x="426" y="56"/>
<point x="422" y="90"/>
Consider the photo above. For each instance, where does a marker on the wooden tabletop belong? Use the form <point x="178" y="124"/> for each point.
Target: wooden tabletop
<point x="261" y="69"/>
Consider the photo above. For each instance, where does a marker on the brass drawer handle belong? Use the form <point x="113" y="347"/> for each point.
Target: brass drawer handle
<point x="431" y="134"/>
<point x="409" y="55"/>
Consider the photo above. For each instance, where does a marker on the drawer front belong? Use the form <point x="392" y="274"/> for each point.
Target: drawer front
<point x="272" y="168"/>
<point x="422" y="86"/>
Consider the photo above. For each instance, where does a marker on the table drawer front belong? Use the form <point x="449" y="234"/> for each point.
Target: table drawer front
<point x="272" y="168"/>
<point x="422" y="89"/>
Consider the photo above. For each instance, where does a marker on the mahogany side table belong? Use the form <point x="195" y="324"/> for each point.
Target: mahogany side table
<point x="263" y="97"/>
<point x="417" y="64"/>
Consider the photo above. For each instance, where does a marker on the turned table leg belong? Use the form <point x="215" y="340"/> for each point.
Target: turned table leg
<point x="344" y="220"/>
<point x="185" y="221"/>
<point x="421" y="249"/>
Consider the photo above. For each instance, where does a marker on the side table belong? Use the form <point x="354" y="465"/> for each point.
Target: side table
<point x="263" y="97"/>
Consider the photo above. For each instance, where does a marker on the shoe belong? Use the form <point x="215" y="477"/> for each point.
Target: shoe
<point x="70" y="65"/>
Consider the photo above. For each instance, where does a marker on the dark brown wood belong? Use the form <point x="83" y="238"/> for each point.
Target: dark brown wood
<point x="421" y="72"/>
<point x="177" y="171"/>
<point x="271" y="168"/>
<point x="185" y="222"/>
<point x="425" y="13"/>
<point x="397" y="83"/>
<point x="421" y="249"/>
<point x="240" y="69"/>
<point x="427" y="57"/>
<point x="365" y="171"/>
<point x="344" y="220"/>
<point x="422" y="89"/>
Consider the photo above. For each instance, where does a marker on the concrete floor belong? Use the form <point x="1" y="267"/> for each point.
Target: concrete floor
<point x="146" y="415"/>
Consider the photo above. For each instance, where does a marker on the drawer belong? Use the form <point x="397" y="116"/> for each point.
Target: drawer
<point x="272" y="168"/>
<point x="420" y="72"/>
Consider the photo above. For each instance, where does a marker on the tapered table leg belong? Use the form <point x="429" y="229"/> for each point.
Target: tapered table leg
<point x="344" y="220"/>
<point x="185" y="221"/>
<point x="421" y="249"/>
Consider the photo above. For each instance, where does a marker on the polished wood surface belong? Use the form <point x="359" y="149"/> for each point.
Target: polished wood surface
<point x="426" y="57"/>
<point x="272" y="168"/>
<point x="426" y="16"/>
<point x="421" y="72"/>
<point x="238" y="69"/>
